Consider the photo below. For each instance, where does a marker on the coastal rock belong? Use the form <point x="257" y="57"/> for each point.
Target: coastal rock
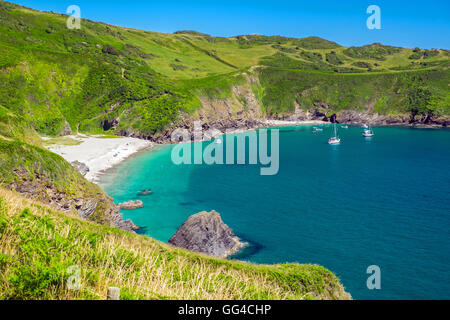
<point x="333" y="119"/>
<point x="206" y="233"/>
<point x="131" y="205"/>
<point x="67" y="130"/>
<point x="111" y="124"/>
<point x="38" y="189"/>
<point x="127" y="225"/>
<point x="317" y="115"/>
<point x="81" y="167"/>
<point x="145" y="193"/>
<point x="86" y="208"/>
<point x="118" y="221"/>
<point x="376" y="119"/>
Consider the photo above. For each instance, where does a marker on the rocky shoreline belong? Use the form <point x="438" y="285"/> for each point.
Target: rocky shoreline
<point x="131" y="205"/>
<point x="40" y="189"/>
<point x="375" y="119"/>
<point x="300" y="118"/>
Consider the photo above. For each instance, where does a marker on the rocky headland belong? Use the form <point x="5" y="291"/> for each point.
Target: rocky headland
<point x="81" y="167"/>
<point x="96" y="207"/>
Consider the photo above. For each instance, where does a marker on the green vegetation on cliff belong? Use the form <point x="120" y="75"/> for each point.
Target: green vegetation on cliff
<point x="27" y="167"/>
<point x="388" y="93"/>
<point x="105" y="78"/>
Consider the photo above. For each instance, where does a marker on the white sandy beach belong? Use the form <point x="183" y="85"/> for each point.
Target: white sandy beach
<point x="100" y="154"/>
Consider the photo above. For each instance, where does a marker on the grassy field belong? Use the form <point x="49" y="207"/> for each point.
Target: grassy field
<point x="62" y="141"/>
<point x="38" y="247"/>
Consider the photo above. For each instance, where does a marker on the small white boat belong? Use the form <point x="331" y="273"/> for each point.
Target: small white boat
<point x="317" y="129"/>
<point x="365" y="126"/>
<point x="368" y="133"/>
<point x="345" y="127"/>
<point x="335" y="140"/>
<point x="218" y="141"/>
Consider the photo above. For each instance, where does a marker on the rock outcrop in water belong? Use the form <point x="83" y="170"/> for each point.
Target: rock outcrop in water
<point x="206" y="233"/>
<point x="131" y="205"/>
<point x="146" y="192"/>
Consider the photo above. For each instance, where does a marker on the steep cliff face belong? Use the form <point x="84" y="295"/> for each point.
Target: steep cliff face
<point x="206" y="233"/>
<point x="89" y="201"/>
<point x="239" y="109"/>
<point x="40" y="175"/>
<point x="242" y="104"/>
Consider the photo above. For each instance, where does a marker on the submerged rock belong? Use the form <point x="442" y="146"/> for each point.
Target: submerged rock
<point x="145" y="193"/>
<point x="80" y="167"/>
<point x="131" y="205"/>
<point x="206" y="233"/>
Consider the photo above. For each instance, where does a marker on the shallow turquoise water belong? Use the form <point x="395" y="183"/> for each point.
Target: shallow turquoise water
<point x="384" y="201"/>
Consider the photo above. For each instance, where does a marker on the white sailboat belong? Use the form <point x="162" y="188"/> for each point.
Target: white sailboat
<point x="335" y="139"/>
<point x="368" y="133"/>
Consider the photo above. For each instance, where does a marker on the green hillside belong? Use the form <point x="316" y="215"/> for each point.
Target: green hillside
<point x="28" y="168"/>
<point x="104" y="77"/>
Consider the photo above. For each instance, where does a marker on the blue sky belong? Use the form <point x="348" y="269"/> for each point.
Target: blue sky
<point x="412" y="23"/>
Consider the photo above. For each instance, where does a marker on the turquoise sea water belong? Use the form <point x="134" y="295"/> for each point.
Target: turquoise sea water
<point x="384" y="201"/>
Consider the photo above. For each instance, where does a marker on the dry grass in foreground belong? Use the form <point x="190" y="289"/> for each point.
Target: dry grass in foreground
<point x="38" y="245"/>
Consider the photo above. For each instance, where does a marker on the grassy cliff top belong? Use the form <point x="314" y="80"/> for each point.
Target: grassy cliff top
<point x="38" y="246"/>
<point x="191" y="54"/>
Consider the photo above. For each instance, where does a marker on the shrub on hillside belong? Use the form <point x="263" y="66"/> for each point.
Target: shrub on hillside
<point x="108" y="49"/>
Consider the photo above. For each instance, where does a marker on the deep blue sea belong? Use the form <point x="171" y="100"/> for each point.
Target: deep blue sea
<point x="383" y="201"/>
